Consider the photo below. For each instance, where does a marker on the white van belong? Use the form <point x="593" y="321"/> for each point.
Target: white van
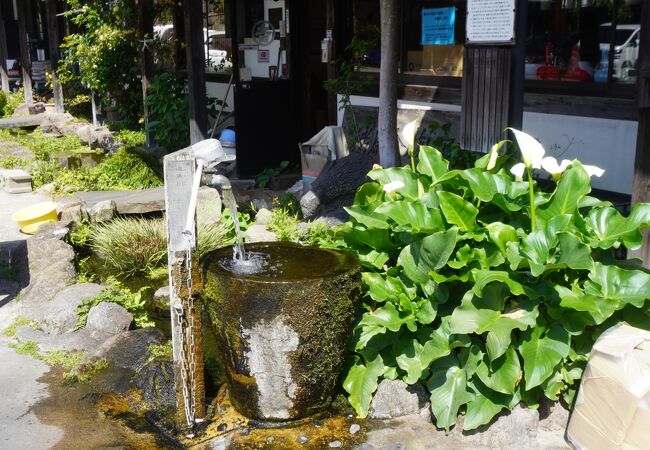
<point x="626" y="48"/>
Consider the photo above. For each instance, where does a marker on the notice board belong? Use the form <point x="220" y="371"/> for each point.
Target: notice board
<point x="438" y="26"/>
<point x="491" y="22"/>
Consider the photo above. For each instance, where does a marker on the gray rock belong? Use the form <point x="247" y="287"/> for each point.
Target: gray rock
<point x="303" y="439"/>
<point x="395" y="398"/>
<point x="263" y="216"/>
<point x="208" y="206"/>
<point x="514" y="429"/>
<point x="109" y="318"/>
<point x="72" y="211"/>
<point x="53" y="230"/>
<point x="354" y="428"/>
<point x="60" y="314"/>
<point x="260" y="203"/>
<point x="128" y="350"/>
<point x="36" y="108"/>
<point x="80" y="340"/>
<point x="128" y="202"/>
<point x="258" y="233"/>
<point x="156" y="382"/>
<point x="335" y="444"/>
<point x="161" y="298"/>
<point x="103" y="211"/>
<point x="337" y="183"/>
<point x="104" y="139"/>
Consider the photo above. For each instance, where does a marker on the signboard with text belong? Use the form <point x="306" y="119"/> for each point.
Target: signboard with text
<point x="438" y="26"/>
<point x="491" y="22"/>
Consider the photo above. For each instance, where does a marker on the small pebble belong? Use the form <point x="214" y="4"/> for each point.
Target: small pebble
<point x="270" y="439"/>
<point x="416" y="429"/>
<point x="354" y="428"/>
<point x="335" y="444"/>
<point x="366" y="446"/>
<point x="318" y="424"/>
<point x="303" y="439"/>
<point x="245" y="431"/>
<point x="399" y="446"/>
<point x="222" y="427"/>
<point x="223" y="408"/>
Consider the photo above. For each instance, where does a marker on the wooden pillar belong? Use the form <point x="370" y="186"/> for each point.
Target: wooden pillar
<point x="196" y="69"/>
<point x="53" y="38"/>
<point x="179" y="34"/>
<point x="485" y="96"/>
<point x="179" y="168"/>
<point x="641" y="185"/>
<point x="4" y="76"/>
<point x="25" y="60"/>
<point x="145" y="25"/>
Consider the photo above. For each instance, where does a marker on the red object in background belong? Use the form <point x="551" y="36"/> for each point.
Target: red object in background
<point x="575" y="72"/>
<point x="548" y="71"/>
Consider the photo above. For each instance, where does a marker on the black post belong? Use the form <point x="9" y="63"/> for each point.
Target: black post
<point x="518" y="70"/>
<point x="196" y="70"/>
<point x="53" y="38"/>
<point x="25" y="60"/>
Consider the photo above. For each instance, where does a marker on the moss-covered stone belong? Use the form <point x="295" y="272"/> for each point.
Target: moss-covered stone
<point x="286" y="334"/>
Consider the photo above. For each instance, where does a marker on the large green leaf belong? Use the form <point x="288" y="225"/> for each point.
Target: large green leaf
<point x="427" y="254"/>
<point x="387" y="317"/>
<point x="542" y="353"/>
<point x="573" y="186"/>
<point x="486" y="257"/>
<point x="404" y="181"/>
<point x="376" y="239"/>
<point x="368" y="218"/>
<point x="612" y="229"/>
<point x="361" y="383"/>
<point x="502" y="374"/>
<point x="485" y="405"/>
<point x="448" y="387"/>
<point x="384" y="287"/>
<point x="574" y="253"/>
<point x="484" y="277"/>
<point x="458" y="211"/>
<point x="500" y="234"/>
<point x="369" y="194"/>
<point x="470" y="318"/>
<point x="415" y="216"/>
<point x="611" y="282"/>
<point x="599" y="308"/>
<point x="414" y="358"/>
<point x="431" y="162"/>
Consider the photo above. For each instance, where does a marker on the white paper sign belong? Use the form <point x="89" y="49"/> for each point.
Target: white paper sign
<point x="490" y="21"/>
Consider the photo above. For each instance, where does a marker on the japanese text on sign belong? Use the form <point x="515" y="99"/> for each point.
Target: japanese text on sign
<point x="438" y="26"/>
<point x="490" y="21"/>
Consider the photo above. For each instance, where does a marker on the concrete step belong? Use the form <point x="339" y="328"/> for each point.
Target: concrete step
<point x="15" y="181"/>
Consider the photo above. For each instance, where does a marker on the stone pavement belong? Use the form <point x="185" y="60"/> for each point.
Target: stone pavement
<point x="20" y="389"/>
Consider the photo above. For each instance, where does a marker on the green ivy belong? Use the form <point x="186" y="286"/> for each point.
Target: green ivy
<point x="486" y="298"/>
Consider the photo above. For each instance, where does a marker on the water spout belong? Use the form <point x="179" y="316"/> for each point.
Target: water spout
<point x="239" y="252"/>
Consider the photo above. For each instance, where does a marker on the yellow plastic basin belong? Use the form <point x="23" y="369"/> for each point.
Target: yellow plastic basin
<point x="30" y="218"/>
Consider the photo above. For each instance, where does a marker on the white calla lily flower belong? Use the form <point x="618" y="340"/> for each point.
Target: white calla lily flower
<point x="408" y="133"/>
<point x="518" y="171"/>
<point x="594" y="171"/>
<point x="494" y="155"/>
<point x="393" y="186"/>
<point x="532" y="151"/>
<point x="550" y="165"/>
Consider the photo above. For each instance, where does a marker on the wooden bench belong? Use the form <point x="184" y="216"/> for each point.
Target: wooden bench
<point x="15" y="181"/>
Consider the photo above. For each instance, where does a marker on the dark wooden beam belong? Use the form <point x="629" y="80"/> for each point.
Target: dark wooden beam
<point x="330" y="20"/>
<point x="485" y="96"/>
<point x="4" y="76"/>
<point x="179" y="36"/>
<point x="145" y="25"/>
<point x="25" y="61"/>
<point x="641" y="185"/>
<point x="194" y="44"/>
<point x="53" y="38"/>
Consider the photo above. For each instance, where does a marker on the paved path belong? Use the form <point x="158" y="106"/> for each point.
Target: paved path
<point x="19" y="386"/>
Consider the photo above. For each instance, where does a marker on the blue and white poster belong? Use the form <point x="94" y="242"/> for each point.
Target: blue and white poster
<point x="438" y="26"/>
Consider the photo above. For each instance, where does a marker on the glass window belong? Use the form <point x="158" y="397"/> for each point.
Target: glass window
<point x="434" y="34"/>
<point x="570" y="40"/>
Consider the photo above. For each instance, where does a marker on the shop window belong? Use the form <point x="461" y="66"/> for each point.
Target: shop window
<point x="571" y="40"/>
<point x="434" y="33"/>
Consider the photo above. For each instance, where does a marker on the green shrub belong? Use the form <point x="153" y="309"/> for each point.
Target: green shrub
<point x="169" y="111"/>
<point x="130" y="246"/>
<point x="130" y="139"/>
<point x="126" y="170"/>
<point x="283" y="224"/>
<point x="11" y="162"/>
<point x="10" y="102"/>
<point x="483" y="287"/>
<point x="116" y="292"/>
<point x="138" y="246"/>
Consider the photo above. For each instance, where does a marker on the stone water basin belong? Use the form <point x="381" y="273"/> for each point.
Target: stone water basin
<point x="282" y="332"/>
